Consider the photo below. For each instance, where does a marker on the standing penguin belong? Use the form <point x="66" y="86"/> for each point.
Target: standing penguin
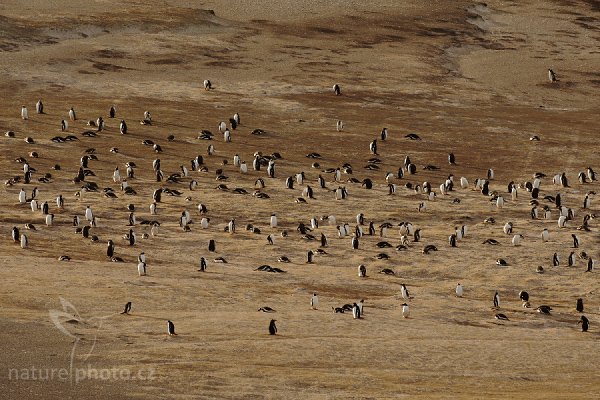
<point x="212" y="245"/>
<point x="314" y="301"/>
<point x="110" y="249"/>
<point x="555" y="260"/>
<point x="14" y="233"/>
<point x="202" y="264"/>
<point x="585" y="323"/>
<point x="24" y="113"/>
<point x="309" y="257"/>
<point x="575" y="241"/>
<point x="272" y="327"/>
<point x="127" y="308"/>
<point x="273" y="221"/>
<point x="271" y="169"/>
<point x="337" y="90"/>
<point x="123" y="127"/>
<point x="362" y="271"/>
<point x="142" y="268"/>
<point x="24" y="241"/>
<point x="579" y="306"/>
<point x="404" y="292"/>
<point x="496" y="300"/>
<point x="355" y="311"/>
<point x="72" y="115"/>
<point x="39" y="107"/>
<point x="132" y="237"/>
<point x="171" y="328"/>
<point x="405" y="310"/>
<point x="551" y="76"/>
<point x="373" y="147"/>
<point x="459" y="290"/>
<point x="354" y="243"/>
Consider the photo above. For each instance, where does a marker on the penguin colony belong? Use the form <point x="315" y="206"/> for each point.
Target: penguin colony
<point x="165" y="197"/>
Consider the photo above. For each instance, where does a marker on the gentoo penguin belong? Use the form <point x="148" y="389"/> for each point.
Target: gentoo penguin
<point x="76" y="220"/>
<point x="591" y="174"/>
<point x="153" y="208"/>
<point x="496" y="300"/>
<point x="24" y="112"/>
<point x="361" y="305"/>
<point x="207" y="84"/>
<point x="452" y="240"/>
<point x="490" y="174"/>
<point x="524" y="296"/>
<point x="243" y="167"/>
<point x="323" y="240"/>
<point x="15" y="234"/>
<point x="572" y="259"/>
<point x="579" y="306"/>
<point x="516" y="240"/>
<point x="373" y="147"/>
<point x="273" y="221"/>
<point x="88" y="213"/>
<point x="404" y="292"/>
<point x="337" y="90"/>
<point x="127" y="308"/>
<point x="204" y="222"/>
<point x="590" y="265"/>
<point x="45" y="208"/>
<point x="309" y="257"/>
<point x="555" y="260"/>
<point x="362" y="271"/>
<point x="123" y="127"/>
<point x="236" y="118"/>
<point x="354" y="243"/>
<point x="314" y="301"/>
<point x="141" y="268"/>
<point x="231" y="226"/>
<point x="171" y="328"/>
<point x="384" y="134"/>
<point x="60" y="201"/>
<point x="459" y="290"/>
<point x="355" y="311"/>
<point x="562" y="221"/>
<point x="272" y="327"/>
<point x="110" y="249"/>
<point x="157" y="195"/>
<point x="112" y="112"/>
<point x="116" y="175"/>
<point x="551" y="76"/>
<point x="545" y="235"/>
<point x="64" y="125"/>
<point x="132" y="237"/>
<point x="49" y="219"/>
<point x="22" y="196"/>
<point x="575" y="241"/>
<point x="271" y="169"/>
<point x="142" y="257"/>
<point x="508" y="227"/>
<point x="405" y="310"/>
<point x="131" y="219"/>
<point x="24" y="241"/>
<point x="501" y="317"/>
<point x="72" y="115"/>
<point x="500" y="202"/>
<point x="212" y="245"/>
<point x="202" y="264"/>
<point x="39" y="107"/>
<point x="585" y="323"/>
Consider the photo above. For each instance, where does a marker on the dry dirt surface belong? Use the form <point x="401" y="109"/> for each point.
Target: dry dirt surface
<point x="468" y="78"/>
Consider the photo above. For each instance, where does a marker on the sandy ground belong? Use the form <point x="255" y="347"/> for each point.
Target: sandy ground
<point x="468" y="78"/>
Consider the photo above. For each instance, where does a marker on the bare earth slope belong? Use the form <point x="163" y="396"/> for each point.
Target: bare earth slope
<point x="469" y="78"/>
